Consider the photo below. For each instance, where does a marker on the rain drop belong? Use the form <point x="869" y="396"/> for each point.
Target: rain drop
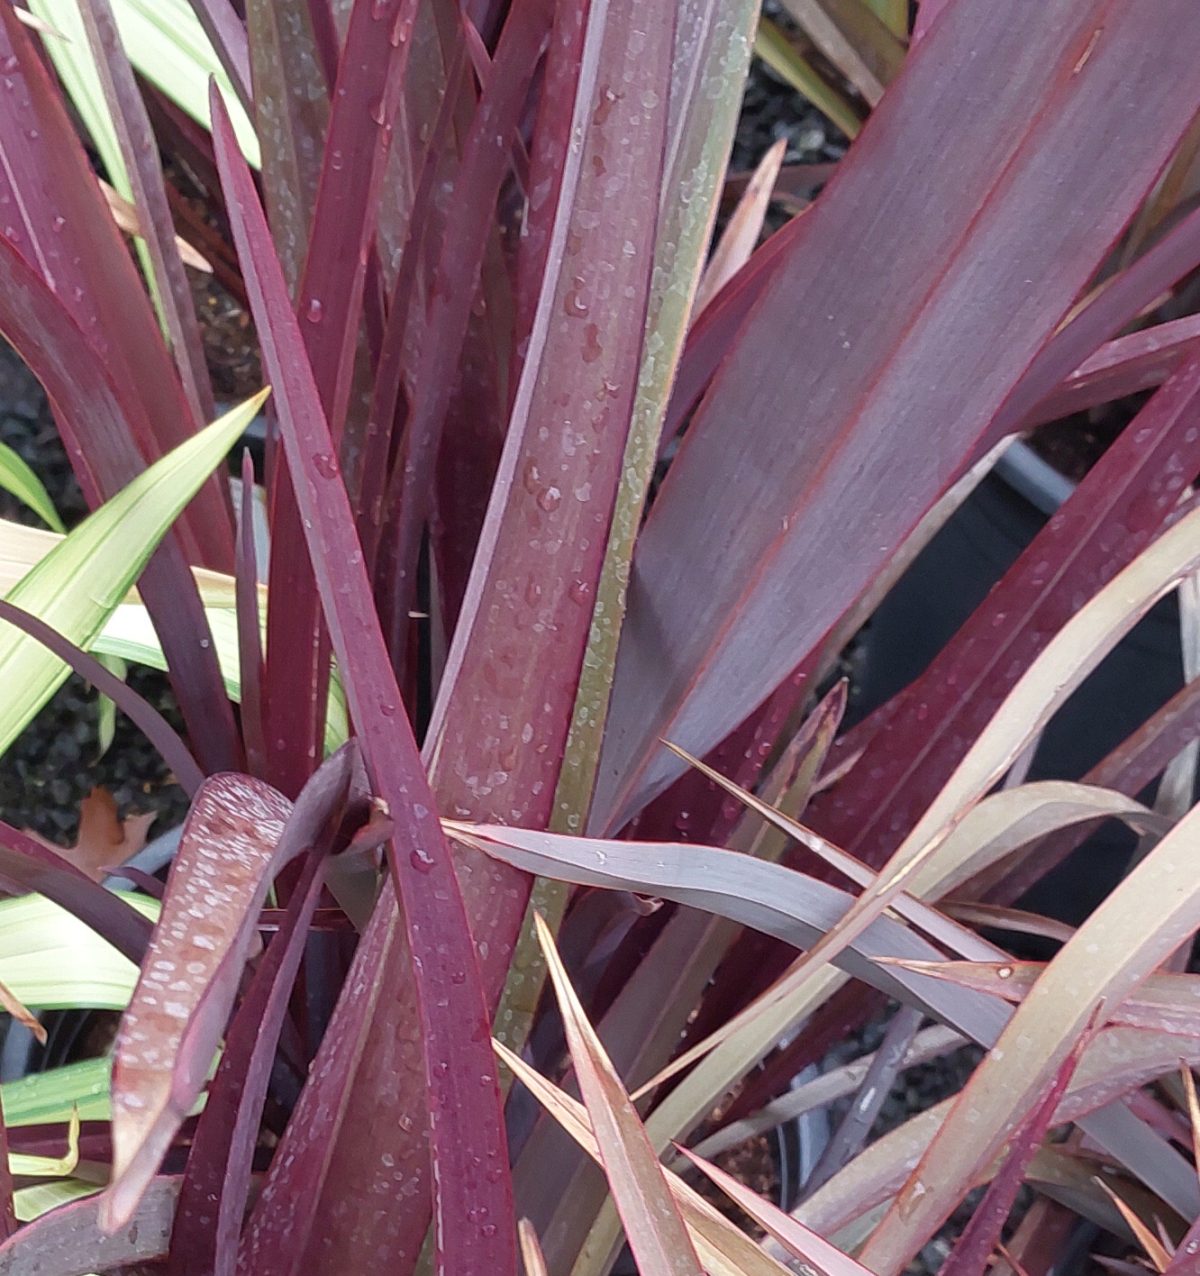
<point x="325" y="465"/>
<point x="314" y="311"/>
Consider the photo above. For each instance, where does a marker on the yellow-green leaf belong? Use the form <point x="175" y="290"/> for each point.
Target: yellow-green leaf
<point x="78" y="585"/>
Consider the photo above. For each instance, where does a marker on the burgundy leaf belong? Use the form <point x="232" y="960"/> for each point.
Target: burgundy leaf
<point x="496" y="740"/>
<point x="91" y="419"/>
<point x="715" y="332"/>
<point x="60" y="221"/>
<point x="138" y="710"/>
<point x="1140" y="361"/>
<point x="329" y="297"/>
<point x="228" y="37"/>
<point x="291" y="111"/>
<point x="26" y="865"/>
<point x="139" y="151"/>
<point x="1115" y="305"/>
<point x="1021" y="132"/>
<point x="464" y="240"/>
<point x="212" y="1200"/>
<point x="1114" y="513"/>
<point x="474" y="1226"/>
<point x="229" y="851"/>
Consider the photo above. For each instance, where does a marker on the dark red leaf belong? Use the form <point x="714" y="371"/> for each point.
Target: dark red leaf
<point x="27" y="866"/>
<point x="496" y="740"/>
<point x="1140" y="361"/>
<point x="212" y="1200"/>
<point x="139" y="150"/>
<point x="444" y="327"/>
<point x="986" y="246"/>
<point x="228" y="37"/>
<point x="138" y="710"/>
<point x="914" y="744"/>
<point x="329" y="298"/>
<point x="291" y="112"/>
<point x="57" y="217"/>
<point x="230" y="850"/>
<point x="474" y="1228"/>
<point x="91" y="419"/>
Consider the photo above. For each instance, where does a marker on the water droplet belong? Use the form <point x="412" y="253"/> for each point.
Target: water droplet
<point x="379" y="111"/>
<point x="549" y="499"/>
<point x="574" y="304"/>
<point x="1005" y="972"/>
<point x="9" y="64"/>
<point x="592" y="349"/>
<point x="579" y="592"/>
<point x="314" y="310"/>
<point x="387" y="708"/>
<point x="401" y="28"/>
<point x="420" y="859"/>
<point x="58" y="223"/>
<point x="325" y="465"/>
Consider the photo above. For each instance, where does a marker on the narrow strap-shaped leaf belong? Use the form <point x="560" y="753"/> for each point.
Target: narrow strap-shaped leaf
<point x="63" y="226"/>
<point x="818" y="1254"/>
<point x="467" y="1130"/>
<point x="1125" y="365"/>
<point x="1117" y="509"/>
<point x="249" y="629"/>
<point x="140" y="152"/>
<point x="217" y="1178"/>
<point x="1163" y="1003"/>
<point x="329" y="298"/>
<point x="228" y="37"/>
<point x="69" y="1241"/>
<point x="291" y="111"/>
<point x="973" y="1249"/>
<point x="26" y="865"/>
<point x="656" y="1231"/>
<point x="726" y="1250"/>
<point x="144" y="715"/>
<point x="1138" y="926"/>
<point x="232" y="843"/>
<point x="89" y="409"/>
<point x="484" y="163"/>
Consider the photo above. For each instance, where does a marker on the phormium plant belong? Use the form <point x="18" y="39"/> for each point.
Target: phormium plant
<point x="509" y="679"/>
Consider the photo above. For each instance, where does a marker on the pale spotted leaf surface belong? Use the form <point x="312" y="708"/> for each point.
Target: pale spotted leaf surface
<point x="190" y="975"/>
